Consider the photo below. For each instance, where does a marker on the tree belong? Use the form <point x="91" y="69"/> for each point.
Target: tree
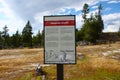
<point x="1" y="40"/>
<point x="119" y="32"/>
<point x="89" y="31"/>
<point x="92" y="26"/>
<point x="99" y="20"/>
<point x="99" y="9"/>
<point x="42" y="40"/>
<point x="85" y="11"/>
<point x="80" y="35"/>
<point x="37" y="40"/>
<point x="77" y="37"/>
<point x="27" y="35"/>
<point x="15" y="39"/>
<point x="5" y="36"/>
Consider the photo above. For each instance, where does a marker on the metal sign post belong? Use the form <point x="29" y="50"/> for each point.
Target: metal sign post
<point x="60" y="72"/>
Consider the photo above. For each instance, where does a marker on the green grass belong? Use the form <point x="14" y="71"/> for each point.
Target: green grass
<point x="29" y="76"/>
<point x="98" y="74"/>
<point x="51" y="74"/>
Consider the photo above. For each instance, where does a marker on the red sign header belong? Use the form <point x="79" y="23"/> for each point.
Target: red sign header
<point x="60" y="23"/>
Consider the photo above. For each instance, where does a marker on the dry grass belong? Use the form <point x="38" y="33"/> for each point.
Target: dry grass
<point x="17" y="64"/>
<point x="93" y="69"/>
<point x="13" y="61"/>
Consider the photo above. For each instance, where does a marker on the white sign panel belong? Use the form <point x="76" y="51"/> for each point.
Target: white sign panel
<point x="59" y="37"/>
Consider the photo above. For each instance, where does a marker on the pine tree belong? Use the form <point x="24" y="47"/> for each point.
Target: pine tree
<point x="93" y="26"/>
<point x="99" y="19"/>
<point x="119" y="32"/>
<point x="37" y="40"/>
<point x="5" y="36"/>
<point x="1" y="40"/>
<point x="27" y="35"/>
<point x="85" y="11"/>
<point x="15" y="39"/>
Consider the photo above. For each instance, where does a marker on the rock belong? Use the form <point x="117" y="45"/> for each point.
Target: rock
<point x="80" y="56"/>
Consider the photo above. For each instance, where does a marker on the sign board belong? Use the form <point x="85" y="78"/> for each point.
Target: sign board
<point x="59" y="39"/>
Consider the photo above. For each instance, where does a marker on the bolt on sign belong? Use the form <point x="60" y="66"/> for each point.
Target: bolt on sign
<point x="59" y="39"/>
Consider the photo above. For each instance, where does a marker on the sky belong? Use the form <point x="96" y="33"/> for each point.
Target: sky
<point x="16" y="13"/>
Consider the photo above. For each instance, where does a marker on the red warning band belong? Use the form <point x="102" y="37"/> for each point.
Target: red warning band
<point x="60" y="23"/>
